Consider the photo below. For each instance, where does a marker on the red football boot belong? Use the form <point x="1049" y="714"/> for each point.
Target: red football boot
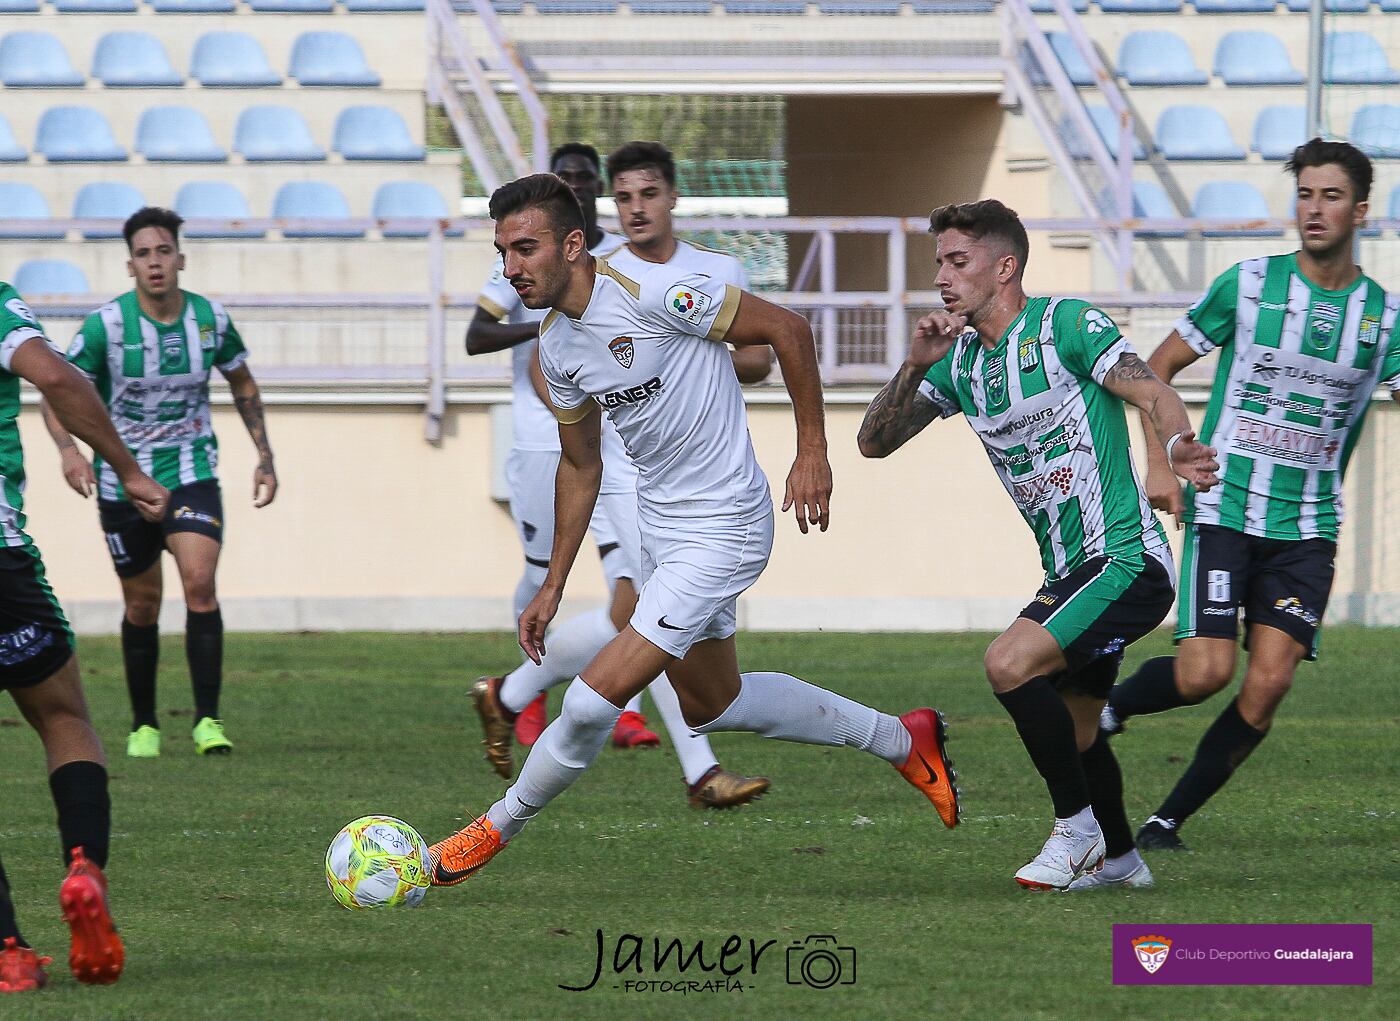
<point x="97" y="955"/>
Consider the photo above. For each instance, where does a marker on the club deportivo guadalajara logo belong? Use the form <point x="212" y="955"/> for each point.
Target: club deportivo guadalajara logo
<point x="622" y="349"/>
<point x="1151" y="952"/>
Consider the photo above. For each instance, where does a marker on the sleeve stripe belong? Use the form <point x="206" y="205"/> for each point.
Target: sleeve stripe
<point x="12" y="342"/>
<point x="727" y="311"/>
<point x="1195" y="339"/>
<point x="1100" y="369"/>
<point x="569" y="416"/>
<point x="490" y="307"/>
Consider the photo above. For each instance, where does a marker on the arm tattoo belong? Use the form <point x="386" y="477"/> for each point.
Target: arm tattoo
<point x="250" y="408"/>
<point x="897" y="413"/>
<point x="1129" y="368"/>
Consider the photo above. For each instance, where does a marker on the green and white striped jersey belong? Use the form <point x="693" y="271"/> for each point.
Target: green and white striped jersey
<point x="17" y="324"/>
<point x="154" y="378"/>
<point x="1298" y="366"/>
<point x="1057" y="439"/>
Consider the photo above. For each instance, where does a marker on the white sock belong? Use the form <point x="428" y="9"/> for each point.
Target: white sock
<point x="572" y="646"/>
<point x="783" y="707"/>
<point x="1117" y="868"/>
<point x="694" y="751"/>
<point x="528" y="587"/>
<point x="558" y="758"/>
<point x="634" y="704"/>
<point x="1083" y="821"/>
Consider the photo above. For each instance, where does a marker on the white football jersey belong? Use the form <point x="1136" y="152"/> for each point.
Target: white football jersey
<point x="534" y="427"/>
<point x="649" y="354"/>
<point x="619" y="473"/>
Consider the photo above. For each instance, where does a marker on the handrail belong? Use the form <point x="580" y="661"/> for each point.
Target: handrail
<point x="524" y="86"/>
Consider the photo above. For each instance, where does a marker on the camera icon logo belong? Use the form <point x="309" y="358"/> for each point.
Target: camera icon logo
<point x="818" y="962"/>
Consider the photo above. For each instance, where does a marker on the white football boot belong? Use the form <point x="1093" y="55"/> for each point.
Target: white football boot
<point x="1066" y="856"/>
<point x="1128" y="870"/>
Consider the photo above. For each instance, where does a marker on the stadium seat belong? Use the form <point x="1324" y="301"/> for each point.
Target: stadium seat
<point x="36" y="60"/>
<point x="409" y="199"/>
<point x="1139" y="6"/>
<point x="76" y="134"/>
<point x="19" y="6"/>
<point x="1356" y="58"/>
<point x="576" y="6"/>
<point x="292" y="6"/>
<point x="176" y="134"/>
<point x="133" y="59"/>
<point x="95" y="6"/>
<point x="10" y="149"/>
<point x="109" y="200"/>
<point x="274" y="133"/>
<point x="1390" y="6"/>
<point x="1254" y="58"/>
<point x="1158" y="58"/>
<point x="1231" y="200"/>
<point x="857" y="7"/>
<point x="329" y="58"/>
<point x="49" y="276"/>
<point x="1048" y="6"/>
<point x="1392" y="210"/>
<point x="1375" y="130"/>
<point x="1234" y="6"/>
<point x="1076" y="67"/>
<point x="373" y="133"/>
<point x="370" y="6"/>
<point x="1107" y="124"/>
<point x="193" y="6"/>
<point x="24" y="202"/>
<point x="1332" y="6"/>
<point x="1278" y="130"/>
<point x="765" y="6"/>
<point x="313" y="198"/>
<point x="1149" y="201"/>
<point x="234" y="59"/>
<point x="1195" y="133"/>
<point x="664" y="6"/>
<point x="214" y="200"/>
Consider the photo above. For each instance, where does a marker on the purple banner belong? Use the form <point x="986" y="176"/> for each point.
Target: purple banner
<point x="1242" y="955"/>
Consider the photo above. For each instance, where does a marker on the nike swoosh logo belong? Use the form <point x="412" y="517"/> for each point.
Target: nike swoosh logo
<point x="1079" y="867"/>
<point x="570" y="375"/>
<point x="669" y="627"/>
<point x="932" y="776"/>
<point x="444" y="877"/>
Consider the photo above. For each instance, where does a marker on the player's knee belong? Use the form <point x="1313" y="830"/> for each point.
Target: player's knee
<point x="1004" y="667"/>
<point x="1267" y="686"/>
<point x="142" y="609"/>
<point x="1200" y="684"/>
<point x="200" y="596"/>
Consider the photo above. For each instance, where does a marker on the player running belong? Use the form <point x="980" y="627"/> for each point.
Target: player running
<point x="1304" y="339"/>
<point x="648" y="354"/>
<point x="643" y="177"/>
<point x="150" y="352"/>
<point x="1042" y="381"/>
<point x="37" y="665"/>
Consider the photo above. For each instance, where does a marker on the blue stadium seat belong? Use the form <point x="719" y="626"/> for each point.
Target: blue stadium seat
<point x="1333" y="6"/>
<point x="176" y="134"/>
<point x="95" y="6"/>
<point x="1375" y="130"/>
<point x="1278" y="130"/>
<point x="1356" y="58"/>
<point x="36" y="60"/>
<point x="576" y="6"/>
<point x="1390" y="6"/>
<point x="24" y="202"/>
<point x="49" y="276"/>
<point x="19" y="6"/>
<point x="1195" y="133"/>
<point x="193" y="6"/>
<point x="313" y="198"/>
<point x="1139" y="6"/>
<point x="234" y="59"/>
<point x="76" y="134"/>
<point x="370" y="6"/>
<point x="1231" y="200"/>
<point x="857" y="7"/>
<point x="109" y="200"/>
<point x="293" y="6"/>
<point x="409" y="199"/>
<point x="1158" y="58"/>
<point x="1048" y="6"/>
<point x="274" y="133"/>
<point x="665" y="6"/>
<point x="373" y="133"/>
<point x="1149" y="201"/>
<point x="766" y="6"/>
<point x="1107" y="124"/>
<point x="1234" y="6"/>
<point x="214" y="200"/>
<point x="1076" y="67"/>
<point x="135" y="59"/>
<point x="10" y="149"/>
<point x="1254" y="58"/>
<point x="329" y="58"/>
<point x="1392" y="210"/>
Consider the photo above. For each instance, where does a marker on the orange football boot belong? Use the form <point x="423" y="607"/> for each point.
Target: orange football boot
<point x="928" y="766"/>
<point x="97" y="955"/>
<point x="456" y="859"/>
<point x="21" y="969"/>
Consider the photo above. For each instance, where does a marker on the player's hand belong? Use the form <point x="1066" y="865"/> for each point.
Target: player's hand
<point x="264" y="484"/>
<point x="78" y="473"/>
<point x="148" y="496"/>
<point x="934" y="336"/>
<point x="1164" y="494"/>
<point x="809" y="491"/>
<point x="536" y="620"/>
<point x="1195" y="462"/>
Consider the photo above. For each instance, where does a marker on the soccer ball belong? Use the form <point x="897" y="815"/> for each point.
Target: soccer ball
<point x="378" y="862"/>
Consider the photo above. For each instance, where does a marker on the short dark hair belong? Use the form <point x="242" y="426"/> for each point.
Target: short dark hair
<point x="576" y="149"/>
<point x="1317" y="153"/>
<point x="543" y="191"/>
<point x="152" y="216"/>
<point x="988" y="218"/>
<point x="642" y="156"/>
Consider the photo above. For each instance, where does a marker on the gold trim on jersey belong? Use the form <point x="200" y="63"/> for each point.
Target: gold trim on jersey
<point x="569" y="416"/>
<point x="490" y="308"/>
<point x="549" y="318"/>
<point x="727" y="311"/>
<point x="628" y="284"/>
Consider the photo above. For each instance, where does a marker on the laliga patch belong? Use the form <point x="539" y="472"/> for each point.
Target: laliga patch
<point x="687" y="303"/>
<point x="19" y="308"/>
<point x="622" y="349"/>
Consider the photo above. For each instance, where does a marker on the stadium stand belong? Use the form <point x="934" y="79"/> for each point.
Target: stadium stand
<point x="275" y="134"/>
<point x="111" y="200"/>
<point x="1158" y="58"/>
<point x="233" y="59"/>
<point x="313" y="199"/>
<point x="24" y="202"/>
<point x="1190" y="132"/>
<point x="1278" y="130"/>
<point x="409" y="199"/>
<point x="1254" y="58"/>
<point x="1356" y="58"/>
<point x="133" y="60"/>
<point x="76" y="134"/>
<point x="49" y="276"/>
<point x="1231" y="200"/>
<point x="374" y="133"/>
<point x="1375" y="130"/>
<point x="36" y="60"/>
<point x="214" y="200"/>
<point x="330" y="58"/>
<point x="177" y="134"/>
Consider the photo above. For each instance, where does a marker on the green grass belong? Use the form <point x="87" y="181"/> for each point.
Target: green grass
<point x="217" y="864"/>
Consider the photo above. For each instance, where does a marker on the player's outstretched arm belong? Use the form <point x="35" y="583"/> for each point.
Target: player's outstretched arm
<point x="77" y="469"/>
<point x="248" y="400"/>
<point x="486" y="333"/>
<point x="900" y="412"/>
<point x="74" y="402"/>
<point x="1162" y="485"/>
<point x="759" y="322"/>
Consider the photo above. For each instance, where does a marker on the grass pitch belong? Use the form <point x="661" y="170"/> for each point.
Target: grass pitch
<point x="218" y="885"/>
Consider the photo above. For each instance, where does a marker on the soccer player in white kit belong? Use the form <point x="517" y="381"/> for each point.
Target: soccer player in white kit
<point x="647" y="354"/>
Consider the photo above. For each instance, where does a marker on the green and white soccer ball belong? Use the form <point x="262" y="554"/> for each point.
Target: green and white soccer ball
<point x="378" y="862"/>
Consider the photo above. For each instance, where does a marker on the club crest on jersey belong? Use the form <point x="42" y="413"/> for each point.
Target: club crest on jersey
<point x="1029" y="354"/>
<point x="1151" y="952"/>
<point x="687" y="304"/>
<point x="1370" y="331"/>
<point x="172" y="346"/>
<point x="1325" y="320"/>
<point x="622" y="350"/>
<point x="206" y="338"/>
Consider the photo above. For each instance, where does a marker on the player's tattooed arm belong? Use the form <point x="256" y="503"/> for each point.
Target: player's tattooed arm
<point x="1133" y="382"/>
<point x="248" y="400"/>
<point x="898" y="413"/>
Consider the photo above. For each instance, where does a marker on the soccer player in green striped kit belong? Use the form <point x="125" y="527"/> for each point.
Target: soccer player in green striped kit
<point x="1304" y="340"/>
<point x="150" y="353"/>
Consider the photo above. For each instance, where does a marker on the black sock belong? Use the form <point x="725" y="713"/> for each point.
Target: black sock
<point x="204" y="648"/>
<point x="84" y="809"/>
<point x="9" y="925"/>
<point x="1225" y="745"/>
<point x="1047" y="730"/>
<point x="141" y="652"/>
<point x="1106" y="791"/>
<point x="1151" y="690"/>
